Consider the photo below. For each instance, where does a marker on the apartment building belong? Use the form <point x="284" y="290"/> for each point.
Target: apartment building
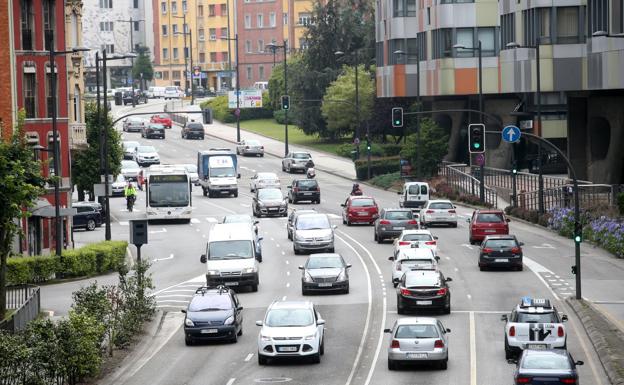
<point x="8" y="107"/>
<point x="75" y="76"/>
<point x="581" y="71"/>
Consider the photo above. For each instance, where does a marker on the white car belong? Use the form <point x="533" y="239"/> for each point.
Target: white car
<point x="130" y="170"/>
<point x="291" y="329"/>
<point x="173" y="92"/>
<point x="438" y="211"/>
<point x="414" y="258"/>
<point x="264" y="180"/>
<point x="422" y="238"/>
<point x="191" y="170"/>
<point x="129" y="146"/>
<point x="249" y="147"/>
<point x="146" y="155"/>
<point x="118" y="186"/>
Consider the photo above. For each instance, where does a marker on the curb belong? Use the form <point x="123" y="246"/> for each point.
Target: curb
<point x="605" y="337"/>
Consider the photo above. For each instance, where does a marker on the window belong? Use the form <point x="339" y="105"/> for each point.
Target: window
<point x="165" y="30"/>
<point x="225" y="57"/>
<point x="403" y="8"/>
<point x="165" y="75"/>
<point x="213" y="33"/>
<point x="136" y="25"/>
<point x="106" y="26"/>
<point x="488" y="43"/>
<point x="396" y="45"/>
<point x="174" y="28"/>
<point x="200" y="34"/>
<point x="30" y="92"/>
<point x="456" y="1"/>
<point x="163" y="7"/>
<point x="213" y="57"/>
<point x="224" y="32"/>
<point x="537" y="24"/>
<point x="272" y="19"/>
<point x="75" y="41"/>
<point x="442" y="40"/>
<point x="184" y="7"/>
<point x="186" y="52"/>
<point x="465" y="37"/>
<point x="285" y="18"/>
<point x="211" y="10"/>
<point x="598" y="17"/>
<point x="247" y="21"/>
<point x="185" y="28"/>
<point x="135" y="4"/>
<point x="165" y="53"/>
<point x="175" y="75"/>
<point x="617" y="16"/>
<point x="508" y="29"/>
<point x="428" y="15"/>
<point x="260" y="19"/>
<point x="106" y="3"/>
<point x="174" y="7"/>
<point x="260" y="45"/>
<point x="109" y="48"/>
<point x="51" y="154"/>
<point x="175" y="54"/>
<point x="568" y="25"/>
<point x="305" y="18"/>
<point x="50" y="97"/>
<point x="202" y="57"/>
<point x="48" y="23"/>
<point x="414" y="50"/>
<point x="27" y="19"/>
<point x="248" y="71"/>
<point x="261" y="72"/>
<point x="304" y="43"/>
<point x="224" y="10"/>
<point x="379" y="54"/>
<point x="200" y="10"/>
<point x="248" y="46"/>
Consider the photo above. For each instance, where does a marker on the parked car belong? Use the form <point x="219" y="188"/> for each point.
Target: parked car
<point x="153" y="130"/>
<point x="486" y="222"/>
<point x="193" y="130"/>
<point x="249" y="147"/>
<point x="500" y="251"/>
<point x="292" y="217"/>
<point x="264" y="180"/>
<point x="359" y="209"/>
<point x="440" y="211"/>
<point x="173" y="92"/>
<point x="418" y="340"/>
<point x="87" y="216"/>
<point x="325" y="272"/>
<point x="313" y="232"/>
<point x="296" y="161"/>
<point x="133" y="124"/>
<point x="118" y="186"/>
<point x="391" y="222"/>
<point x="163" y="119"/>
<point x="546" y="366"/>
<point x="304" y="190"/>
<point x="146" y="155"/>
<point x="269" y="201"/>
<point x="129" y="148"/>
<point x="213" y="314"/>
<point x="423" y="289"/>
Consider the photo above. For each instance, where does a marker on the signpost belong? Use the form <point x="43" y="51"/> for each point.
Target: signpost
<point x="248" y="99"/>
<point x="511" y="134"/>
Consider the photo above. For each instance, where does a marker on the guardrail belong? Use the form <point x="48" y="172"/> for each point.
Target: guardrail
<point x="26" y="299"/>
<point x="178" y="118"/>
<point x="456" y="175"/>
<point x="590" y="195"/>
<point x="501" y="178"/>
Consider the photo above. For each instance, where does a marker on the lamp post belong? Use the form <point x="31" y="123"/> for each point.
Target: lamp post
<point x="284" y="46"/>
<point x="190" y="35"/>
<point x="131" y="22"/>
<point x="55" y="149"/>
<point x="418" y="102"/>
<point x="237" y="112"/>
<point x="186" y="55"/>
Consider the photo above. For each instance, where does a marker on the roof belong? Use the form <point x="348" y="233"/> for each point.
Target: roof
<point x="422" y="272"/>
<point x="415" y="252"/>
<point x="354" y="197"/>
<point x="439" y="200"/>
<point x="416" y="231"/>
<point x="534" y="305"/>
<point x="489" y="211"/>
<point x="499" y="236"/>
<point x="267" y="175"/>
<point x="416" y="320"/>
<point x="230" y="231"/>
<point x="291" y="305"/>
<point x="324" y="255"/>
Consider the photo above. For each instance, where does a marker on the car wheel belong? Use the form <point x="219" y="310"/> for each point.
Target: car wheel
<point x="91" y="225"/>
<point x="508" y="353"/>
<point x="237" y="151"/>
<point x="304" y="291"/>
<point x="454" y="224"/>
<point x="295" y="250"/>
<point x="254" y="288"/>
<point x="288" y="170"/>
<point x="289" y="236"/>
<point x="318" y="201"/>
<point x="236" y="194"/>
<point x="202" y="138"/>
<point x="443" y="364"/>
<point x="290" y="199"/>
<point x="346" y="291"/>
<point x="316" y="358"/>
<point x="188" y="341"/>
<point x="262" y="360"/>
<point x="294" y="200"/>
<point x="234" y="338"/>
<point x="205" y="192"/>
<point x="472" y="241"/>
<point x="482" y="268"/>
<point x="348" y="222"/>
<point x="391" y="364"/>
<point x="520" y="268"/>
<point x="240" y="332"/>
<point x="376" y="237"/>
<point x="283" y="168"/>
<point x="400" y="308"/>
<point x="322" y="347"/>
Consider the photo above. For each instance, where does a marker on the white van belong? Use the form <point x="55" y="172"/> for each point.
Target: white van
<point x="156" y="92"/>
<point x="231" y="258"/>
<point x="414" y="194"/>
<point x="173" y="92"/>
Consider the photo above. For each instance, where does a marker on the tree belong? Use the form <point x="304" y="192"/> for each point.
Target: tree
<point x="143" y="68"/>
<point x="86" y="169"/>
<point x="339" y="109"/>
<point x="433" y="147"/>
<point x="22" y="184"/>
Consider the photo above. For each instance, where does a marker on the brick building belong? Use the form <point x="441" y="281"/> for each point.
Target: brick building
<point x="7" y="106"/>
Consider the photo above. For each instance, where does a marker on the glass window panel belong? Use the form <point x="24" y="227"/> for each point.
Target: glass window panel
<point x="567" y="25"/>
<point x="486" y="36"/>
<point x="465" y="37"/>
<point x="411" y="7"/>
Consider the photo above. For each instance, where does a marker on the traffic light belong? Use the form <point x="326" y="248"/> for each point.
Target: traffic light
<point x="207" y="116"/>
<point x="397" y="117"/>
<point x="368" y="144"/>
<point x="285" y="102"/>
<point x="578" y="232"/>
<point x="476" y="138"/>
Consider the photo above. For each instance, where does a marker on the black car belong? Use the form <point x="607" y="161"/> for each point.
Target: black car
<point x="213" y="314"/>
<point x="269" y="201"/>
<point x="87" y="216"/>
<point x="550" y="366"/>
<point x="304" y="190"/>
<point x="424" y="289"/>
<point x="500" y="251"/>
<point x="153" y="130"/>
<point x="139" y="97"/>
<point x="193" y="130"/>
<point x="325" y="272"/>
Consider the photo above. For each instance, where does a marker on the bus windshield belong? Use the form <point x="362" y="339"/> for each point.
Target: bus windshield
<point x="169" y="194"/>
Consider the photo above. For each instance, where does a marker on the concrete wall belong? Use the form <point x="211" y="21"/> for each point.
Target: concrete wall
<point x="605" y="140"/>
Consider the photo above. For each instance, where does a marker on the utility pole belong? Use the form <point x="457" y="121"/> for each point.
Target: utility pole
<point x="131" y="22"/>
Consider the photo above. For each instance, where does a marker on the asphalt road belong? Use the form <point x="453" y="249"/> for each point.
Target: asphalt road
<point x="355" y="345"/>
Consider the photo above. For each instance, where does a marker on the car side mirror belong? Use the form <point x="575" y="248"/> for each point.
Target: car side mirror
<point x="508" y="220"/>
<point x="260" y="238"/>
<point x="387" y="330"/>
<point x="521" y="243"/>
<point x="437" y="258"/>
<point x="504" y="318"/>
<point x="349" y="265"/>
<point x="435" y="237"/>
<point x="399" y="193"/>
<point x="320" y="322"/>
<point x="448" y="330"/>
<point x="448" y="279"/>
<point x="238" y="176"/>
<point x="239" y="308"/>
<point x="454" y="207"/>
<point x="300" y="267"/>
<point x="342" y="205"/>
<point x="468" y="220"/>
<point x="256" y="222"/>
<point x="564" y="318"/>
<point x="183" y="311"/>
<point x="203" y="258"/>
<point x="391" y="258"/>
<point x="512" y="361"/>
<point x="579" y="363"/>
<point x="259" y="323"/>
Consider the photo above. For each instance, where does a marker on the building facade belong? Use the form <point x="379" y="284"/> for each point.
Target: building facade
<point x="75" y="76"/>
<point x="7" y="77"/>
<point x="581" y="75"/>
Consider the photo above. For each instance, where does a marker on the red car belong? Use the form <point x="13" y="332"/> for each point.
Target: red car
<point x="487" y="222"/>
<point x="163" y="119"/>
<point x="359" y="209"/>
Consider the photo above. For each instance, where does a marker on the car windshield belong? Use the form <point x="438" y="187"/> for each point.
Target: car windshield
<point x="490" y="218"/>
<point x="301" y="155"/>
<point x="312" y="222"/>
<point x="546" y="361"/>
<point x="157" y="126"/>
<point x="129" y="164"/>
<point x="191" y="168"/>
<point x="237" y="219"/>
<point x="289" y="318"/>
<point x="417" y="237"/>
<point x="362" y="202"/>
<point x="441" y="206"/>
<point x="267" y="176"/>
<point x="537" y="318"/>
<point x="399" y="215"/>
<point x="229" y="250"/>
<point x="420" y="279"/>
<point x="270" y="194"/>
<point x="212" y="302"/>
<point x="120" y="179"/>
<point x="325" y="262"/>
<point x="416" y="331"/>
<point x="500" y="243"/>
<point x="252" y="143"/>
<point x="162" y="116"/>
<point x="146" y="149"/>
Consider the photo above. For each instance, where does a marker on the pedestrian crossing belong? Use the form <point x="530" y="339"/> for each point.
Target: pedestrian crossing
<point x="178" y="296"/>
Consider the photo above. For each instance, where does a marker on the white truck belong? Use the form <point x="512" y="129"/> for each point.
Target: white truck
<point x="218" y="172"/>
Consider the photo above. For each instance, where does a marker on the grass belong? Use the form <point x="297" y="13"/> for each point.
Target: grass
<point x="272" y="129"/>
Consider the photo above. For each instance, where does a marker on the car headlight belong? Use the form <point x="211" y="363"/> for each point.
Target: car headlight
<point x="264" y="338"/>
<point x="188" y="322"/>
<point x="229" y="320"/>
<point x="213" y="272"/>
<point x="342" y="276"/>
<point x="307" y="277"/>
<point x="327" y="238"/>
<point x="299" y="238"/>
<point x="249" y="270"/>
<point x="260" y="204"/>
<point x="310" y="337"/>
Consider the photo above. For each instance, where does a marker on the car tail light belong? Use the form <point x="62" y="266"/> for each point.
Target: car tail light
<point x="318" y="189"/>
<point x="431" y="243"/>
<point x="405" y="292"/>
<point x="262" y="147"/>
<point x="452" y="211"/>
<point x="515" y="250"/>
<point x="384" y="222"/>
<point x="512" y="331"/>
<point x="441" y="291"/>
<point x="523" y="380"/>
<point x="568" y="380"/>
<point x="395" y="344"/>
<point x="487" y="250"/>
<point x="560" y="332"/>
<point x="404" y="243"/>
<point x="412" y="222"/>
<point x="438" y="344"/>
<point x="430" y="211"/>
<point x="296" y="189"/>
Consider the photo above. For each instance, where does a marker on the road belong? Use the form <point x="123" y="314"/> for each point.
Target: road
<point x="355" y="344"/>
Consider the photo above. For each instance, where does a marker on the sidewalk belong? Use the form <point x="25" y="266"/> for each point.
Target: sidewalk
<point x="323" y="161"/>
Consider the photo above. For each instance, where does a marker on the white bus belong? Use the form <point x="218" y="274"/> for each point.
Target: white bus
<point x="168" y="193"/>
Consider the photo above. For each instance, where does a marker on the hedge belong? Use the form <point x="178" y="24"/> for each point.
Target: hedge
<point x="379" y="166"/>
<point x="97" y="258"/>
<point x="222" y="113"/>
<point x="377" y="149"/>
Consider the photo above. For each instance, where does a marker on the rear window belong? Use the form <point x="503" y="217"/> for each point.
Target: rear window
<point x="213" y="302"/>
<point x="301" y="156"/>
<point x="417" y="237"/>
<point x="420" y="279"/>
<point x="499" y="243"/>
<point x="441" y="206"/>
<point x="399" y="215"/>
<point x="362" y="202"/>
<point x="416" y="331"/>
<point x="417" y="189"/>
<point x="195" y="126"/>
<point x="490" y="218"/>
<point x="546" y="361"/>
<point x="417" y="264"/>
<point x="307" y="183"/>
<point x="537" y="318"/>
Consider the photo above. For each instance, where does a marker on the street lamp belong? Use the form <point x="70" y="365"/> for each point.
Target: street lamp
<point x="186" y="52"/>
<point x="55" y="149"/>
<point x="189" y="33"/>
<point x="237" y="112"/>
<point x="104" y="147"/>
<point x="274" y="47"/>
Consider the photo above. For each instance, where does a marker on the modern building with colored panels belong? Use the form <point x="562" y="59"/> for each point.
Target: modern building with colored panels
<point x="582" y="75"/>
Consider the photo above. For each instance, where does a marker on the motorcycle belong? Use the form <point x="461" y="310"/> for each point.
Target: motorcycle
<point x="130" y="202"/>
<point x="357" y="192"/>
<point x="310" y="173"/>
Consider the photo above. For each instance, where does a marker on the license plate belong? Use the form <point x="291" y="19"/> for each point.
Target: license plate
<point x="536" y="346"/>
<point x="325" y="284"/>
<point x="424" y="302"/>
<point x="417" y="355"/>
<point x="489" y="231"/>
<point x="399" y="228"/>
<point x="307" y="193"/>
<point x="501" y="260"/>
<point x="287" y="349"/>
<point x="209" y="331"/>
<point x="273" y="209"/>
<point x="362" y="213"/>
<point x="231" y="284"/>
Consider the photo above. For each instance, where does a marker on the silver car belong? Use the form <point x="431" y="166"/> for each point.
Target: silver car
<point x="118" y="186"/>
<point x="129" y="146"/>
<point x="412" y="259"/>
<point x="296" y="161"/>
<point x="418" y="340"/>
<point x="325" y="272"/>
<point x="292" y="217"/>
<point x="130" y="170"/>
<point x="191" y="170"/>
<point x="133" y="124"/>
<point x="264" y="180"/>
<point x="146" y="155"/>
<point x="313" y="232"/>
<point x="249" y="147"/>
<point x="391" y="222"/>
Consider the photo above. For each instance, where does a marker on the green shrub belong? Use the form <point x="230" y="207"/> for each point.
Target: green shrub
<point x="77" y="263"/>
<point x="32" y="269"/>
<point x="222" y="113"/>
<point x="386" y="180"/>
<point x="391" y="149"/>
<point x="280" y="117"/>
<point x="379" y="166"/>
<point x="110" y="255"/>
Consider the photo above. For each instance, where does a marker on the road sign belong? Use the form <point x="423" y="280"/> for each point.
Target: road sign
<point x="247" y="99"/>
<point x="356" y="141"/>
<point x="511" y="134"/>
<point x="480" y="160"/>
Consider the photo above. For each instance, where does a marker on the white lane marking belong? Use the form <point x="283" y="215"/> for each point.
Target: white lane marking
<point x="473" y="350"/>
<point x="231" y="381"/>
<point x="283" y="253"/>
<point x="448" y="258"/>
<point x="199" y="278"/>
<point x="245" y="205"/>
<point x="272" y="238"/>
<point x="287" y="262"/>
<point x="288" y="273"/>
<point x="334" y="216"/>
<point x="195" y="220"/>
<point x="456" y="269"/>
<point x="123" y="223"/>
<point x="164" y="259"/>
<point x="277" y="245"/>
<point x="158" y="231"/>
<point x="172" y="296"/>
<point x="196" y="229"/>
<point x="469" y="296"/>
<point x="284" y="298"/>
<point x="536" y="268"/>
<point x="467" y="245"/>
<point x="288" y="284"/>
<point x="211" y="220"/>
<point x="544" y="246"/>
<point x="248" y="358"/>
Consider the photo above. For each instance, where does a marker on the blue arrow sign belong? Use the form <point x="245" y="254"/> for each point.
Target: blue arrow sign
<point x="511" y="134"/>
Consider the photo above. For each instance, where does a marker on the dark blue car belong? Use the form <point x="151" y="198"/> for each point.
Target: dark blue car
<point x="546" y="367"/>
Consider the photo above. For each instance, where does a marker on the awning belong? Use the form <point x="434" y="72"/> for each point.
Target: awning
<point x="43" y="208"/>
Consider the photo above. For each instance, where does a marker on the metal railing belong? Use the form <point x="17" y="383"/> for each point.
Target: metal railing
<point x="26" y="300"/>
<point x="590" y="196"/>
<point x="525" y="181"/>
<point x="457" y="176"/>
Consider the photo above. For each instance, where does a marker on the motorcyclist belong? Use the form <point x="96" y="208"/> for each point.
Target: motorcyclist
<point x="356" y="189"/>
<point x="310" y="173"/>
<point x="130" y="194"/>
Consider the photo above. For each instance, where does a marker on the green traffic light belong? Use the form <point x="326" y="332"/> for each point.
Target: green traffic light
<point x="476" y="145"/>
<point x="577" y="239"/>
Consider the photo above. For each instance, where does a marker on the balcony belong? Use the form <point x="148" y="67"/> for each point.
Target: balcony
<point x="77" y="136"/>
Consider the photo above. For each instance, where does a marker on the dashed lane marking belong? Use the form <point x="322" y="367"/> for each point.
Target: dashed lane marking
<point x="249" y="356"/>
<point x="195" y="220"/>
